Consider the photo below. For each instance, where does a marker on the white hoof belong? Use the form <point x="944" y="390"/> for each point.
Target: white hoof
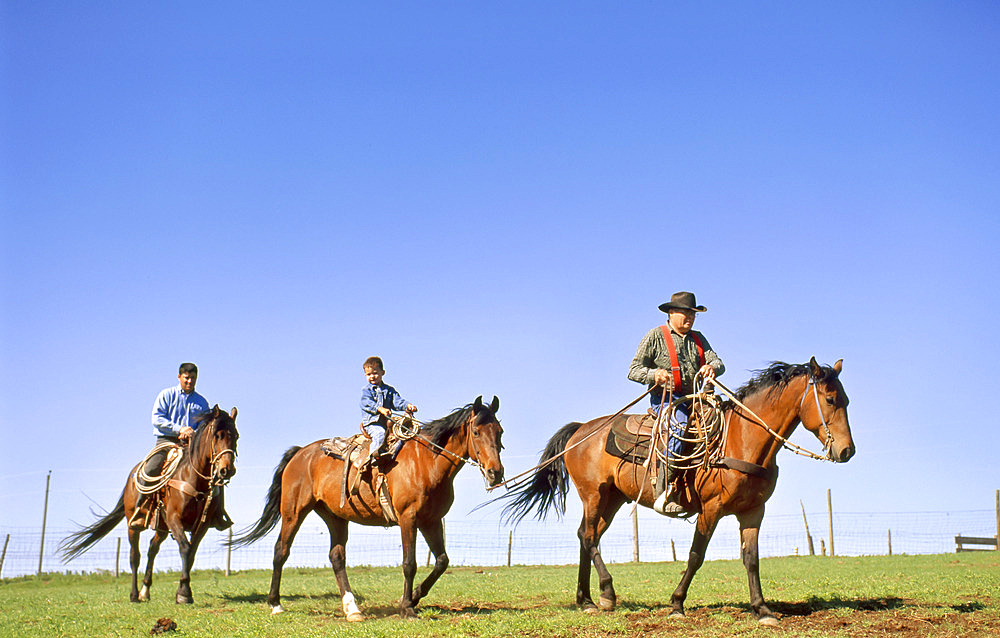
<point x="144" y="594"/>
<point x="277" y="609"/>
<point x="769" y="621"/>
<point x="351" y="608"/>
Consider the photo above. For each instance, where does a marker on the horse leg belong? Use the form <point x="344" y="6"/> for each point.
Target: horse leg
<point x="133" y="560"/>
<point x="184" y="595"/>
<point x="289" y="527"/>
<point x="154" y="549"/>
<point x="599" y="511"/>
<point x="338" y="560"/>
<point x="702" y="535"/>
<point x="749" y="531"/>
<point x="433" y="533"/>
<point x="408" y="532"/>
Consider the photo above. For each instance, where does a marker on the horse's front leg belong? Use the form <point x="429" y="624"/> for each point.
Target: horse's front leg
<point x="173" y="521"/>
<point x="408" y="532"/>
<point x="598" y="512"/>
<point x="184" y="595"/>
<point x="704" y="529"/>
<point x="154" y="549"/>
<point x="434" y="535"/>
<point x="749" y="532"/>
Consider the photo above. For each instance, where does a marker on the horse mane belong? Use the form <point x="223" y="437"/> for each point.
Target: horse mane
<point x="439" y="430"/>
<point x="203" y="420"/>
<point x="776" y="376"/>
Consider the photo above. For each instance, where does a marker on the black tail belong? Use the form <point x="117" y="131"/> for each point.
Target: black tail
<point x="548" y="485"/>
<point x="272" y="507"/>
<point x="79" y="542"/>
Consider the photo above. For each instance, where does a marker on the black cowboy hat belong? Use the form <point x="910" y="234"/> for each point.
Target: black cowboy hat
<point x="682" y="301"/>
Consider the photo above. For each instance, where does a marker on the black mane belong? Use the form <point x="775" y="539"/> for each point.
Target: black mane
<point x="777" y="376"/>
<point x="441" y="429"/>
<point x="204" y="421"/>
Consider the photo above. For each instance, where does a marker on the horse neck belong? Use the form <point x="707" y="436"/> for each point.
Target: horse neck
<point x="198" y="457"/>
<point x="445" y="465"/>
<point x="748" y="440"/>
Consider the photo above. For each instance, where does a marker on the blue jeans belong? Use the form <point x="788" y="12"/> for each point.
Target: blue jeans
<point x="675" y="446"/>
<point x="377" y="432"/>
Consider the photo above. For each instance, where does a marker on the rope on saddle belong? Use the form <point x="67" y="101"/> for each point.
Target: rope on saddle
<point x="147" y="484"/>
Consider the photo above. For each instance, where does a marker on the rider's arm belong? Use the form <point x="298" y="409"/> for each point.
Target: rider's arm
<point x="643" y="368"/>
<point x="162" y="421"/>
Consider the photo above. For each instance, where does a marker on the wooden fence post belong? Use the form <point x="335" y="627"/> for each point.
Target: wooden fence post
<point x="4" y="554"/>
<point x="829" y="509"/>
<point x="45" y="513"/>
<point x="673" y="550"/>
<point x="635" y="534"/>
<point x="510" y="545"/>
<point x="118" y="555"/>
<point x="812" y="550"/>
<point x="890" y="542"/>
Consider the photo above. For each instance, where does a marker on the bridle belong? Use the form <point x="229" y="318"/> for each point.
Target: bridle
<point x="214" y="477"/>
<point x="828" y="446"/>
<point x="472" y="448"/>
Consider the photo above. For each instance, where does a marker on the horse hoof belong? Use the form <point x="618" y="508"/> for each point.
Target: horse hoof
<point x="277" y="609"/>
<point x="607" y="604"/>
<point x="676" y="614"/>
<point x="769" y="621"/>
<point x="184" y="600"/>
<point x="591" y="609"/>
<point x="355" y="617"/>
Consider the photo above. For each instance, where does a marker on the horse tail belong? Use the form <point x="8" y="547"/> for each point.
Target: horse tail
<point x="79" y="542"/>
<point x="547" y="486"/>
<point x="272" y="506"/>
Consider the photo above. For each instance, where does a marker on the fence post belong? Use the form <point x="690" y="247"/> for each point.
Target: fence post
<point x="673" y="550"/>
<point x="829" y="510"/>
<point x="635" y="534"/>
<point x="118" y="555"/>
<point x="45" y="513"/>
<point x="812" y="550"/>
<point x="510" y="544"/>
<point x="4" y="554"/>
<point x="822" y="547"/>
<point x="890" y="542"/>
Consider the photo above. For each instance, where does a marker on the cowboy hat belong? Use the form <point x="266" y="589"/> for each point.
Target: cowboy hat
<point x="682" y="301"/>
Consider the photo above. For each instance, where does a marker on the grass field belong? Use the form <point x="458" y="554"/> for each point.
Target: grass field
<point x="937" y="595"/>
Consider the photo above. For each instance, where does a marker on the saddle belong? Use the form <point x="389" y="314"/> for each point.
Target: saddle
<point x="630" y="440"/>
<point x="356" y="451"/>
<point x="154" y="500"/>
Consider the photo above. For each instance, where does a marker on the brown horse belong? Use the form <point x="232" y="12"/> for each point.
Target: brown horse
<point x="420" y="483"/>
<point x="783" y="395"/>
<point x="208" y="461"/>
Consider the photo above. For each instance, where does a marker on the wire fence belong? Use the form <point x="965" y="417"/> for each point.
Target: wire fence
<point x="487" y="542"/>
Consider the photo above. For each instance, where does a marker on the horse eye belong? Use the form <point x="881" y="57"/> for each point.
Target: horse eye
<point x="830" y="401"/>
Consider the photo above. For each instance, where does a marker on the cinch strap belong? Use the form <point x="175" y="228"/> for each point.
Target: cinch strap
<point x="674" y="363"/>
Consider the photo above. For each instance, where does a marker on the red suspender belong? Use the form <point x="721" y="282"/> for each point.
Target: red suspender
<point x="674" y="363"/>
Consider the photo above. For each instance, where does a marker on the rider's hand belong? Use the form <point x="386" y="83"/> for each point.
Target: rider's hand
<point x="411" y="408"/>
<point x="384" y="411"/>
<point x="707" y="371"/>
<point x="663" y="377"/>
<point x="185" y="434"/>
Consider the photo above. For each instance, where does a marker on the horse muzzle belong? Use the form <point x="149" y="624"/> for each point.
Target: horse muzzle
<point x="843" y="455"/>
<point x="494" y="477"/>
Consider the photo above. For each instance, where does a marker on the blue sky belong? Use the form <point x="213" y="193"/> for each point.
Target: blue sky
<point x="494" y="197"/>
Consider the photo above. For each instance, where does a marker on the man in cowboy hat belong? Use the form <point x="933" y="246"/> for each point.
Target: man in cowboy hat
<point x="670" y="368"/>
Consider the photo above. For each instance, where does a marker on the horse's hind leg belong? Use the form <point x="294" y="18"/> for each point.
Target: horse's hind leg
<point x="704" y="529"/>
<point x="338" y="560"/>
<point x="289" y="527"/>
<point x="598" y="512"/>
<point x="749" y="531"/>
<point x="154" y="549"/>
<point x="133" y="560"/>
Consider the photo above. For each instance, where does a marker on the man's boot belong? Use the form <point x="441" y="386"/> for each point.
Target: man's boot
<point x="138" y="520"/>
<point x="666" y="502"/>
<point x="221" y="522"/>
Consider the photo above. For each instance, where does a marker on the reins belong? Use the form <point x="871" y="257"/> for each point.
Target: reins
<point x="402" y="433"/>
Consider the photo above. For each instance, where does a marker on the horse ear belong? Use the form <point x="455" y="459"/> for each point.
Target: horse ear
<point x="215" y="410"/>
<point x="817" y="371"/>
<point x="478" y="404"/>
<point x="495" y="405"/>
<point x="232" y="413"/>
<point x="837" y="367"/>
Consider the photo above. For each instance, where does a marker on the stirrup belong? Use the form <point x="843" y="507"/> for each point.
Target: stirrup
<point x="662" y="506"/>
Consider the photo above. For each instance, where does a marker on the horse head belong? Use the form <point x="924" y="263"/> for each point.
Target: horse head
<point x="483" y="438"/>
<point x="215" y="444"/>
<point x="823" y="410"/>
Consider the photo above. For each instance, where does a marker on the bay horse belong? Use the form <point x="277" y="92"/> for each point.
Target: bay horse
<point x="782" y="395"/>
<point x="421" y="485"/>
<point x="208" y="460"/>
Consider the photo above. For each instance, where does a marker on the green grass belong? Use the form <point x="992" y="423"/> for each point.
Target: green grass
<point x="941" y="595"/>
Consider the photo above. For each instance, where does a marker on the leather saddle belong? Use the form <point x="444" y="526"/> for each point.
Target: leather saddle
<point x="356" y="450"/>
<point x="629" y="439"/>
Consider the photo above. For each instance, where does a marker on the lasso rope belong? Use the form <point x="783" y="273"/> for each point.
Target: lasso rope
<point x="147" y="484"/>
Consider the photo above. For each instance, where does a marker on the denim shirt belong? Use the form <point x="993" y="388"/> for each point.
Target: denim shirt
<point x="374" y="397"/>
<point x="174" y="410"/>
